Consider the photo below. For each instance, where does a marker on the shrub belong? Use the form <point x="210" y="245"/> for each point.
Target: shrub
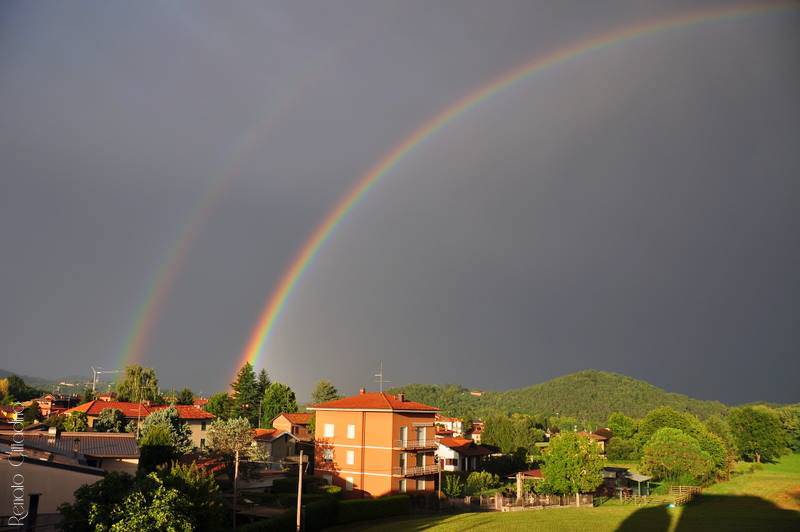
<point x="320" y="513"/>
<point x="282" y="523"/>
<point x="453" y="485"/>
<point x="354" y="510"/>
<point x="333" y="491"/>
<point x="480" y="481"/>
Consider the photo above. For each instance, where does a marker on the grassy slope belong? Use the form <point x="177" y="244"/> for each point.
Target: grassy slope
<point x="588" y="395"/>
<point x="765" y="500"/>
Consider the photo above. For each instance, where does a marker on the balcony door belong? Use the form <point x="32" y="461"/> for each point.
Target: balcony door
<point x="403" y="436"/>
<point x="421" y="436"/>
<point x="403" y="462"/>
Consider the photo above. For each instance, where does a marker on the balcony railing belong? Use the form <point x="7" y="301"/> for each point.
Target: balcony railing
<point x="417" y="471"/>
<point x="416" y="444"/>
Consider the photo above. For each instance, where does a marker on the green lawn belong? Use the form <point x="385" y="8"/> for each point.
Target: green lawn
<point x="768" y="499"/>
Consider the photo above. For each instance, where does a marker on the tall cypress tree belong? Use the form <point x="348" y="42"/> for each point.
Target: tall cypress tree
<point x="246" y="396"/>
<point x="263" y="382"/>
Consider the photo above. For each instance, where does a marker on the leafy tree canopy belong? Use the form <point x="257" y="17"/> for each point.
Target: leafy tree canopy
<point x="138" y="384"/>
<point x="572" y="464"/>
<point x="220" y="404"/>
<point x="109" y="420"/>
<point x="76" y="422"/>
<point x="324" y="391"/>
<point x="622" y="426"/>
<point x="758" y="433"/>
<point x="167" y="420"/>
<point x="278" y="398"/>
<point x="246" y="395"/>
<point x="185" y="397"/>
<point x="671" y="453"/>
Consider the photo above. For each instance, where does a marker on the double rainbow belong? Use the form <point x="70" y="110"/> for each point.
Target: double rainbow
<point x="277" y="300"/>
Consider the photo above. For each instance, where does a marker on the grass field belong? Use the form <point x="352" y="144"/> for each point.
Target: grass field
<point x="768" y="499"/>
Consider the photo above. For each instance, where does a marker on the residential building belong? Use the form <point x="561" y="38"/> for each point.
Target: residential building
<point x="198" y="420"/>
<point x="295" y="424"/>
<point x="474" y="432"/>
<point x="54" y="404"/>
<point x="279" y="444"/>
<point x="376" y="443"/>
<point x="452" y="424"/>
<point x="597" y="438"/>
<point x="460" y="454"/>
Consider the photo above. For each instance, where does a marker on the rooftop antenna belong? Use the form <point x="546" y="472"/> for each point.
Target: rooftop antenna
<point x="100" y="371"/>
<point x="380" y="379"/>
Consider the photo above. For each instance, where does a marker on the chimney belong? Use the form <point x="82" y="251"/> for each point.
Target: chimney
<point x="401" y="397"/>
<point x="52" y="434"/>
<point x="362" y="391"/>
<point x="76" y="446"/>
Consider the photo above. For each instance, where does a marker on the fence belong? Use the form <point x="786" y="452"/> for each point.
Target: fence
<point x="531" y="502"/>
<point x="684" y="494"/>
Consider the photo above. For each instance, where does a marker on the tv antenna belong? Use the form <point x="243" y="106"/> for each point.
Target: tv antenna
<point x="379" y="378"/>
<point x="96" y="371"/>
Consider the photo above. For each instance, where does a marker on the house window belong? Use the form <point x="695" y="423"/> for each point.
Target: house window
<point x="202" y="425"/>
<point x="351" y="457"/>
<point x="403" y="434"/>
<point x="421" y="485"/>
<point x="451" y="461"/>
<point x="348" y="483"/>
<point x="328" y="430"/>
<point x="327" y="455"/>
<point x="351" y="432"/>
<point x="403" y="486"/>
<point x="202" y="443"/>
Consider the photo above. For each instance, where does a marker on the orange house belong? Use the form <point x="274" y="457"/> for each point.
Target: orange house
<point x="375" y="443"/>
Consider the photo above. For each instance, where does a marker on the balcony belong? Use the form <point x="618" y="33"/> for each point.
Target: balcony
<point x="415" y="444"/>
<point x="417" y="471"/>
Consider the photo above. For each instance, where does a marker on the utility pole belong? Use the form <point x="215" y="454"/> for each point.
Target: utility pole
<point x="99" y="371"/>
<point x="235" y="485"/>
<point x="299" y="490"/>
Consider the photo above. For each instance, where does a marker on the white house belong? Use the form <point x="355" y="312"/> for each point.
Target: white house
<point x="460" y="454"/>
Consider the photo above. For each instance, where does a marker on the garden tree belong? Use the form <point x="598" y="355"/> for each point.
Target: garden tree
<point x="621" y="425"/>
<point x="719" y="426"/>
<point x="109" y="420"/>
<point x="138" y="384"/>
<point x="278" y="398"/>
<point x="246" y="396"/>
<point x="76" y="422"/>
<point x="56" y="420"/>
<point x="31" y="414"/>
<point x="563" y="423"/>
<point x="227" y="436"/>
<point x="185" y="397"/>
<point x="667" y="417"/>
<point x="572" y="465"/>
<point x="3" y="390"/>
<point x="671" y="453"/>
<point x="720" y="457"/>
<point x="790" y="420"/>
<point x="517" y="433"/>
<point x="18" y="390"/>
<point x="263" y="382"/>
<point x="156" y="449"/>
<point x="168" y="419"/>
<point x="621" y="449"/>
<point x="87" y="395"/>
<point x="324" y="391"/>
<point x="758" y="433"/>
<point x="220" y="404"/>
<point x="173" y="498"/>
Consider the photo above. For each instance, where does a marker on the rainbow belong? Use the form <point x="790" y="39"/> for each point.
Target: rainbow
<point x="305" y="256"/>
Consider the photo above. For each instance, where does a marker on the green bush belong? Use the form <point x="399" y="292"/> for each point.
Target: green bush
<point x="621" y="449"/>
<point x="284" y="485"/>
<point x="453" y="485"/>
<point x="282" y="523"/>
<point x="481" y="481"/>
<point x="320" y="513"/>
<point x="153" y="456"/>
<point x="354" y="510"/>
<point x="333" y="491"/>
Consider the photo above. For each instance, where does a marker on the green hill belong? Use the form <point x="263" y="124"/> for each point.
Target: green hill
<point x="587" y="395"/>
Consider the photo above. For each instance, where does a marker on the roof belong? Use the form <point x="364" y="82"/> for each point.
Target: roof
<point x="93" y="444"/>
<point x="296" y="418"/>
<point x="532" y="473"/>
<point x="445" y="419"/>
<point x="268" y="434"/>
<point x="132" y="410"/>
<point x="593" y="436"/>
<point x="374" y="401"/>
<point x="637" y="477"/>
<point x="465" y="446"/>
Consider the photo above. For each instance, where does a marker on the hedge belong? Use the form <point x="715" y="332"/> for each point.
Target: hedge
<point x="282" y="523"/>
<point x="354" y="510"/>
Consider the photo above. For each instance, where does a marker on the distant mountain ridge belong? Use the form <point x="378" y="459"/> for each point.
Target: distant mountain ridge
<point x="588" y="395"/>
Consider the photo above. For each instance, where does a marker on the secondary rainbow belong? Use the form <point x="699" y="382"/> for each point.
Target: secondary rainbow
<point x="277" y="300"/>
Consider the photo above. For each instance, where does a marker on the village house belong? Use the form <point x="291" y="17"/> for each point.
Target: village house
<point x="474" y="432"/>
<point x="53" y="404"/>
<point x="451" y="425"/>
<point x="376" y="443"/>
<point x="460" y="454"/>
<point x="278" y="444"/>
<point x="295" y="424"/>
<point x="198" y="420"/>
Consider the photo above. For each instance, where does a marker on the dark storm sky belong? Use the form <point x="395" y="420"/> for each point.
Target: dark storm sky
<point x="634" y="209"/>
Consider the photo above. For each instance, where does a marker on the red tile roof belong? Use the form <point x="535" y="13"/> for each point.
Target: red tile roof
<point x="374" y="401"/>
<point x="297" y="418"/>
<point x="267" y="434"/>
<point x="465" y="446"/>
<point x="132" y="410"/>
<point x="593" y="436"/>
<point x="445" y="419"/>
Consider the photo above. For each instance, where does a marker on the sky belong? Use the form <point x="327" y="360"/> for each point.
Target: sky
<point x="634" y="209"/>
